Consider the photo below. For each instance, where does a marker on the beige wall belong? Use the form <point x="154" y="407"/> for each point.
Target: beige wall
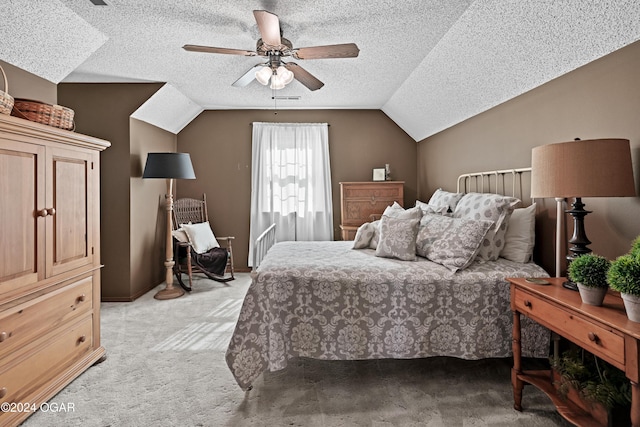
<point x="23" y="84"/>
<point x="148" y="217"/>
<point x="220" y="146"/>
<point x="599" y="100"/>
<point x="103" y="110"/>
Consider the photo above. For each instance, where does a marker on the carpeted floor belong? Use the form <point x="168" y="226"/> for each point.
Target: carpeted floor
<point x="165" y="367"/>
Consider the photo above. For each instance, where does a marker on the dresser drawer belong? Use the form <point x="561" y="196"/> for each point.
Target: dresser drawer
<point x="22" y="324"/>
<point x="592" y="337"/>
<point x="41" y="362"/>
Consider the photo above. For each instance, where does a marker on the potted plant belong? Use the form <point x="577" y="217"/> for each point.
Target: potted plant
<point x="589" y="271"/>
<point x="624" y="277"/>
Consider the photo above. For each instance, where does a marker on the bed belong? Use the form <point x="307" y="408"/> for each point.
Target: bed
<point x="331" y="301"/>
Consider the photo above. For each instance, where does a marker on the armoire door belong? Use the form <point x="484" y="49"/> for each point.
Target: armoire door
<point x="69" y="223"/>
<point x="22" y="221"/>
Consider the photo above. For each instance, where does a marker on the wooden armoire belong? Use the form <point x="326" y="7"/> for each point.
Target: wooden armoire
<point x="49" y="262"/>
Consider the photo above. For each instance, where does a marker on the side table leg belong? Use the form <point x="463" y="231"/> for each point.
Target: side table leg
<point x="517" y="384"/>
<point x="635" y="404"/>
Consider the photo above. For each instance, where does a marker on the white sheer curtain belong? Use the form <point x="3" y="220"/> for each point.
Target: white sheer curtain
<point x="291" y="182"/>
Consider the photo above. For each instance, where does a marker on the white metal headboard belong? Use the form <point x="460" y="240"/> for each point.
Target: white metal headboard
<point x="495" y="182"/>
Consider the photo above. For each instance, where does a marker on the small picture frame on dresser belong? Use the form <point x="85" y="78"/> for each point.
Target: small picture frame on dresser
<point x="379" y="174"/>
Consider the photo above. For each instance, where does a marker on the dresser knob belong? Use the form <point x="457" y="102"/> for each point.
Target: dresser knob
<point x="82" y="338"/>
<point x="51" y="211"/>
<point x="82" y="298"/>
<point x="3" y="336"/>
<point x="527" y="303"/>
<point x="43" y="213"/>
<point x="3" y="392"/>
<point x="593" y="337"/>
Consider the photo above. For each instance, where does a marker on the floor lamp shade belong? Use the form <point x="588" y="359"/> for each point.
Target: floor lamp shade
<point x="169" y="165"/>
<point x="583" y="168"/>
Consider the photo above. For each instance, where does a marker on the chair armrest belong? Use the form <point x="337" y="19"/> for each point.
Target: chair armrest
<point x="225" y="238"/>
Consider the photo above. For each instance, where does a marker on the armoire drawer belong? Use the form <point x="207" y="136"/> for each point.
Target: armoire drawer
<point x="22" y="324"/>
<point x="39" y="363"/>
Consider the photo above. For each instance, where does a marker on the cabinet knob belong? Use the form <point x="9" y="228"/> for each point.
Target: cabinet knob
<point x="82" y="298"/>
<point x="527" y="303"/>
<point x="593" y="337"/>
<point x="42" y="213"/>
<point x="51" y="211"/>
<point x="82" y="338"/>
<point x="3" y="392"/>
<point x="3" y="336"/>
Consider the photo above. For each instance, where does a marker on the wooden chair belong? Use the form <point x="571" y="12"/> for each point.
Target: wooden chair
<point x="194" y="211"/>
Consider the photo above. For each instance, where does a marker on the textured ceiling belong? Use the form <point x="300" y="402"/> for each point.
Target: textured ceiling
<point x="427" y="64"/>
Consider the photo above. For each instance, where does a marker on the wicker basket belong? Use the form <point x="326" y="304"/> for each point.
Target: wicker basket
<point x="41" y="112"/>
<point x="6" y="100"/>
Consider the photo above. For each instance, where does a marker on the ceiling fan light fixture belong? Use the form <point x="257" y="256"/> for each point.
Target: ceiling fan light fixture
<point x="277" y="82"/>
<point x="263" y="75"/>
<point x="285" y="75"/>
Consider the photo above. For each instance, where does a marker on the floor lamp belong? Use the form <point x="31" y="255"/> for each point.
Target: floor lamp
<point x="169" y="166"/>
<point x="582" y="168"/>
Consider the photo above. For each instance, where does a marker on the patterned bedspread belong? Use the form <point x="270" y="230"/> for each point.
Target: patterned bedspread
<point x="324" y="300"/>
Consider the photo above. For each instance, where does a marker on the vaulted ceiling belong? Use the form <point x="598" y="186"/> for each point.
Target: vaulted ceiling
<point x="427" y="64"/>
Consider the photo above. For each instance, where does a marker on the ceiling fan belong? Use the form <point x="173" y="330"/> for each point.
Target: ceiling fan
<point x="275" y="47"/>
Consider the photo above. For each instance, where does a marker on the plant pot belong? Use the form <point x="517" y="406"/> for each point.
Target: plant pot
<point x="631" y="306"/>
<point x="592" y="295"/>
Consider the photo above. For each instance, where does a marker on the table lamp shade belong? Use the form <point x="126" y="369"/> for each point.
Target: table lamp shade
<point x="169" y="165"/>
<point x="582" y="168"/>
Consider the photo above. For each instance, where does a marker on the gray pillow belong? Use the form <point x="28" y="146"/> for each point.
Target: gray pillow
<point x="488" y="207"/>
<point x="363" y="236"/>
<point x="445" y="198"/>
<point x="398" y="238"/>
<point x="452" y="242"/>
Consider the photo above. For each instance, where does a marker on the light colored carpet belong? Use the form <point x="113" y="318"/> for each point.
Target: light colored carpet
<point x="165" y="367"/>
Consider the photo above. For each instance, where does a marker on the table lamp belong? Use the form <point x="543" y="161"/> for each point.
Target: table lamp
<point x="169" y="166"/>
<point x="582" y="168"/>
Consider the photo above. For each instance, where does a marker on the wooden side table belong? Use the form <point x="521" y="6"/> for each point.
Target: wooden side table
<point x="603" y="331"/>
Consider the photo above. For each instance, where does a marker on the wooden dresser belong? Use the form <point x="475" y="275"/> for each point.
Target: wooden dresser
<point x="360" y="200"/>
<point x="49" y="262"/>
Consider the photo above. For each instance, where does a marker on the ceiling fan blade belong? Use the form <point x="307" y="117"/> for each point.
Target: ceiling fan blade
<point x="247" y="77"/>
<point x="303" y="76"/>
<point x="269" y="26"/>
<point x="211" y="49"/>
<point x="346" y="50"/>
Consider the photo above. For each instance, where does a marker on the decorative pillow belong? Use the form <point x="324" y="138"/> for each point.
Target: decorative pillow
<point x="488" y="207"/>
<point x="363" y="236"/>
<point x="521" y="235"/>
<point x="431" y="209"/>
<point x="180" y="235"/>
<point x="398" y="238"/>
<point x="452" y="242"/>
<point x="373" y="244"/>
<point x="200" y="236"/>
<point x="397" y="211"/>
<point x="444" y="198"/>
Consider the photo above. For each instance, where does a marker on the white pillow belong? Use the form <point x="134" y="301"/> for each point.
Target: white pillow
<point x="397" y="211"/>
<point x="521" y="235"/>
<point x="180" y="235"/>
<point x="200" y="236"/>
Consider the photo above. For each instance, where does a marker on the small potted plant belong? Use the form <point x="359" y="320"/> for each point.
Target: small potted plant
<point x="624" y="277"/>
<point x="589" y="271"/>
